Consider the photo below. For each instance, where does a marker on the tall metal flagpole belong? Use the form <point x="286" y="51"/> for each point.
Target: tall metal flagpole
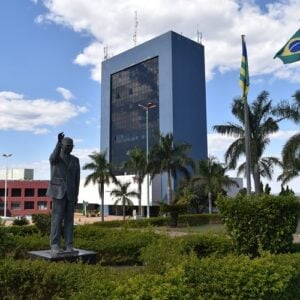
<point x="247" y="146"/>
<point x="244" y="82"/>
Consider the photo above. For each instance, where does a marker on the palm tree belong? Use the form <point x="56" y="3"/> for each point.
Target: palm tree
<point x="101" y="174"/>
<point x="170" y="158"/>
<point x="291" y="159"/>
<point x="211" y="174"/>
<point x="262" y="124"/>
<point x="265" y="167"/>
<point x="122" y="195"/>
<point x="291" y="150"/>
<point x="137" y="163"/>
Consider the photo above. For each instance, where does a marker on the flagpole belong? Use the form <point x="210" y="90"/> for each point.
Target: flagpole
<point x="246" y="119"/>
<point x="247" y="146"/>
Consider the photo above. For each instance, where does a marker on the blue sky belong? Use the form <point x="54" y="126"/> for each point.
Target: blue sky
<point x="51" y="53"/>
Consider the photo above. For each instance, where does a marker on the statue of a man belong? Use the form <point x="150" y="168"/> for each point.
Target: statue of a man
<point x="63" y="188"/>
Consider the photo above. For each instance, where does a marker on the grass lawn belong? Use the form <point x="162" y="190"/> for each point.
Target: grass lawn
<point x="215" y="228"/>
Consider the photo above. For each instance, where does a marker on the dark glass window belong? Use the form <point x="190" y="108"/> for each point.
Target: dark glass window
<point x="129" y="88"/>
<point x="2" y="192"/>
<point x="42" y="192"/>
<point x="29" y="192"/>
<point x="16" y="192"/>
<point x="16" y="205"/>
<point x="29" y="205"/>
<point x="42" y="205"/>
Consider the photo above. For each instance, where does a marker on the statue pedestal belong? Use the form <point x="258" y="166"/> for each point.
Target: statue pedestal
<point x="84" y="256"/>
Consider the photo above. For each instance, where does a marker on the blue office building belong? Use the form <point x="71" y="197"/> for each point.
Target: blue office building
<point x="167" y="71"/>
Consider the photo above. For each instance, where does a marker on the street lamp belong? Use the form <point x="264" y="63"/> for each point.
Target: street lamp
<point x="146" y="108"/>
<point x="5" y="185"/>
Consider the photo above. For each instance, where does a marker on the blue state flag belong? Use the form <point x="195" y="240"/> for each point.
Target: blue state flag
<point x="290" y="52"/>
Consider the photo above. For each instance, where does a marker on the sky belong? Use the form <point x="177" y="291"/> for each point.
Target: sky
<point x="50" y="66"/>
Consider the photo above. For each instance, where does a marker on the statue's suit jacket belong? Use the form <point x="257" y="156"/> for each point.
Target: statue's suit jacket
<point x="65" y="175"/>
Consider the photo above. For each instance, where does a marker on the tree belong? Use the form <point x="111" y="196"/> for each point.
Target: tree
<point x="166" y="156"/>
<point x="101" y="174"/>
<point x="291" y="150"/>
<point x="122" y="195"/>
<point x="290" y="159"/>
<point x="137" y="163"/>
<point x="211" y="175"/>
<point x="262" y="123"/>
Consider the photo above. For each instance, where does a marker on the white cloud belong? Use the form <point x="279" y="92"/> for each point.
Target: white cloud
<point x="21" y="114"/>
<point x="218" y="143"/>
<point x="221" y="22"/>
<point x="83" y="154"/>
<point x="67" y="95"/>
<point x="42" y="167"/>
<point x="283" y="134"/>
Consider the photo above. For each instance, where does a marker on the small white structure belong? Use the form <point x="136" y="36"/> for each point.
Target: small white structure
<point x="233" y="190"/>
<point x="90" y="193"/>
<point x="157" y="187"/>
<point x="17" y="174"/>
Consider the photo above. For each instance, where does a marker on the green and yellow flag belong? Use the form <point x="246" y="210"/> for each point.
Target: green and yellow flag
<point x="290" y="52"/>
<point x="244" y="72"/>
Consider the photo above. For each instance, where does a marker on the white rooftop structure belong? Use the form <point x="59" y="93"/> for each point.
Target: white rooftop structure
<point x="16" y="174"/>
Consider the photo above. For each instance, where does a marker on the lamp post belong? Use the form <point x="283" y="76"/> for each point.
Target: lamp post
<point x="146" y="108"/>
<point x="5" y="185"/>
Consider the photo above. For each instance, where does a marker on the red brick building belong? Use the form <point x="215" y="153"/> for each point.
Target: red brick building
<point x="25" y="197"/>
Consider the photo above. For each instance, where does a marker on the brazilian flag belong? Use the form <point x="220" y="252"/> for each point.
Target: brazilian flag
<point x="290" y="52"/>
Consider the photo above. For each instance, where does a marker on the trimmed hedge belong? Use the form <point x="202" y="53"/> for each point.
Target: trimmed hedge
<point x="207" y="244"/>
<point x="233" y="277"/>
<point x="121" y="246"/>
<point x="22" y="230"/>
<point x="260" y="222"/>
<point x="183" y="221"/>
<point x="113" y="246"/>
<point x="239" y="277"/>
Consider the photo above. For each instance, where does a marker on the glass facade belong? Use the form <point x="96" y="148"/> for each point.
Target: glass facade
<point x="131" y="87"/>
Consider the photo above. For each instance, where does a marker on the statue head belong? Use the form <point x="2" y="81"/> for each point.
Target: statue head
<point x="67" y="145"/>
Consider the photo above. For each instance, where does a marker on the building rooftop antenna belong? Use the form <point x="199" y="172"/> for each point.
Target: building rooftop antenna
<point x="136" y="23"/>
<point x="105" y="50"/>
<point x="199" y="35"/>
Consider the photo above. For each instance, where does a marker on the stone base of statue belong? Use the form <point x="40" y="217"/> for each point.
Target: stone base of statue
<point x="81" y="255"/>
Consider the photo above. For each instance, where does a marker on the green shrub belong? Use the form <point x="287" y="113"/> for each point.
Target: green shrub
<point x="266" y="222"/>
<point x="161" y="255"/>
<point x="275" y="277"/>
<point x="239" y="277"/>
<point x="207" y="244"/>
<point x="6" y="241"/>
<point x="199" y="219"/>
<point x="114" y="247"/>
<point x="42" y="280"/>
<point x="20" y="222"/>
<point x="183" y="221"/>
<point x="23" y="244"/>
<point x="42" y="222"/>
<point x="22" y="230"/>
<point x="158" y="221"/>
<point x="166" y="252"/>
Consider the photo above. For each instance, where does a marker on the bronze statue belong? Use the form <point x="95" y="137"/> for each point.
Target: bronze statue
<point x="64" y="189"/>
